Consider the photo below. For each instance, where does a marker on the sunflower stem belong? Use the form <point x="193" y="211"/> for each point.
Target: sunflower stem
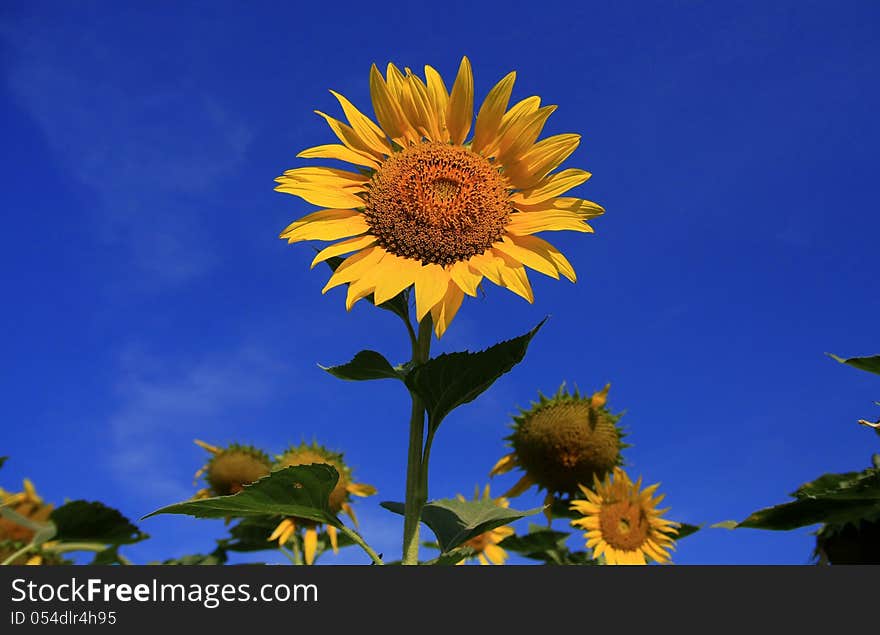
<point x="362" y="544"/>
<point x="416" y="484"/>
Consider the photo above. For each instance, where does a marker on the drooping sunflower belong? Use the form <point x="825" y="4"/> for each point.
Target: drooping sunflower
<point x="229" y="469"/>
<point x="431" y="208"/>
<point x="622" y="521"/>
<point x="13" y="536"/>
<point x="485" y="545"/>
<point x="562" y="441"/>
<point x="340" y="497"/>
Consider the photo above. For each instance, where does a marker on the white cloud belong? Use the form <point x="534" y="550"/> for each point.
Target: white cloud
<point x="146" y="147"/>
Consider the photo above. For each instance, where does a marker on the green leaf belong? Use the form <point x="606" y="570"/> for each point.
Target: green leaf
<point x="251" y="534"/>
<point x="452" y="379"/>
<point x="399" y="304"/>
<point x="849" y="485"/>
<point x="215" y="558"/>
<point x="85" y="521"/>
<point x="685" y="530"/>
<point x="452" y="558"/>
<point x="302" y="491"/>
<point x="870" y="364"/>
<point x="365" y="365"/>
<point x="537" y="541"/>
<point x="454" y="522"/>
<point x="3" y="460"/>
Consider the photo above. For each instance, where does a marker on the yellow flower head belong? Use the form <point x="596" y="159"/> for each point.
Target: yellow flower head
<point x="29" y="504"/>
<point x="485" y="545"/>
<point x="622" y="522"/>
<point x="340" y="497"/>
<point x="229" y="469"/>
<point x="563" y="441"/>
<point x="429" y="208"/>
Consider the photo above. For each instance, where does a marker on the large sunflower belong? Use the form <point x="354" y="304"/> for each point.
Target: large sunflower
<point x="622" y="521"/>
<point x="429" y="208"/>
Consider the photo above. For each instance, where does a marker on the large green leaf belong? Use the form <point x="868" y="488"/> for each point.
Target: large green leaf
<point x="870" y="364"/>
<point x="454" y="522"/>
<point x="365" y="365"/>
<point x="685" y="530"/>
<point x="91" y="521"/>
<point x="848" y="485"/>
<point x="547" y="546"/>
<point x="399" y="304"/>
<point x="452" y="379"/>
<point x="302" y="491"/>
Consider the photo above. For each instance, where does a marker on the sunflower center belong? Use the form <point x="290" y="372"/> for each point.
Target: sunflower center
<point x="623" y="525"/>
<point x="437" y="203"/>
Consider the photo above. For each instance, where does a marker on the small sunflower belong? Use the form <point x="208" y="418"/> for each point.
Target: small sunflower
<point x="623" y="523"/>
<point x="340" y="497"/>
<point x="562" y="441"/>
<point x="229" y="469"/>
<point x="29" y="504"/>
<point x="485" y="545"/>
<point x="430" y="209"/>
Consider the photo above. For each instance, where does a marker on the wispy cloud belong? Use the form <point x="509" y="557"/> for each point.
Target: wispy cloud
<point x="145" y="147"/>
<point x="163" y="406"/>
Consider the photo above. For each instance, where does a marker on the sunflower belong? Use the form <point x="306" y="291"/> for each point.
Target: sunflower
<point x="562" y="441"/>
<point x="485" y="545"/>
<point x="430" y="209"/>
<point x="229" y="469"/>
<point x="340" y="497"/>
<point x="623" y="523"/>
<point x="29" y="504"/>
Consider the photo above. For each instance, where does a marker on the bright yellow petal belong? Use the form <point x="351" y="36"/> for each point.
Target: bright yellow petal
<point x="431" y="283"/>
<point x="387" y="109"/>
<point x="587" y="209"/>
<point x="349" y="137"/>
<point x="421" y="101"/>
<point x="354" y="267"/>
<point x="526" y="223"/>
<point x="495" y="554"/>
<point x="334" y="538"/>
<point x="322" y="176"/>
<point x="348" y="509"/>
<point x="465" y="277"/>
<point x="553" y="185"/>
<point x="360" y="289"/>
<point x="398" y="274"/>
<point x="521" y="253"/>
<point x="488" y="265"/>
<point x="34" y="560"/>
<point x="363" y="126"/>
<point x="444" y="312"/>
<point x="504" y="464"/>
<point x="340" y="153"/>
<point x="522" y="135"/>
<point x="543" y="157"/>
<point x="439" y="100"/>
<point x="460" y="110"/>
<point x="326" y="224"/>
<point x="491" y="112"/>
<point x="514" y="277"/>
<point x="213" y="449"/>
<point x="482" y="559"/>
<point x="321" y="196"/>
<point x="547" y="252"/>
<point x="310" y="545"/>
<point x="346" y="246"/>
<point x="360" y="489"/>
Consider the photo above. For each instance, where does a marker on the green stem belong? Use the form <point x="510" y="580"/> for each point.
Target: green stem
<point x="297" y="554"/>
<point x="17" y="554"/>
<point x="360" y="542"/>
<point x="290" y="556"/>
<point x="416" y="486"/>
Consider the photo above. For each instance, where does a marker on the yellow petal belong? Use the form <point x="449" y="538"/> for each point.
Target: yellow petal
<point x="514" y="277"/>
<point x="444" y="312"/>
<point x="35" y="560"/>
<point x="543" y="157"/>
<point x="363" y="126"/>
<point x="340" y="153"/>
<point x="354" y="266"/>
<point x="548" y="252"/>
<point x="387" y="109"/>
<point x="504" y="464"/>
<point x="491" y="112"/>
<point x="465" y="277"/>
<point x="349" y="137"/>
<point x="519" y="110"/>
<point x="310" y="544"/>
<point x="334" y="538"/>
<point x="488" y="265"/>
<point x="213" y="449"/>
<point x="439" y="100"/>
<point x="427" y="122"/>
<point x="526" y="223"/>
<point x="583" y="207"/>
<point x="348" y="509"/>
<point x="326" y="224"/>
<point x="521" y="486"/>
<point x="360" y="489"/>
<point x="321" y="196"/>
<point x="553" y="185"/>
<point x="482" y="559"/>
<point x="398" y="273"/>
<point x="460" y="110"/>
<point x="522" y="135"/>
<point x="431" y="283"/>
<point x="521" y="253"/>
<point x="359" y="289"/>
<point x="322" y="176"/>
<point x="346" y="246"/>
<point x="599" y="398"/>
<point x="495" y="554"/>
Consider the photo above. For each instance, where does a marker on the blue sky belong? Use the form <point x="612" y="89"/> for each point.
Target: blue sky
<point x="147" y="299"/>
